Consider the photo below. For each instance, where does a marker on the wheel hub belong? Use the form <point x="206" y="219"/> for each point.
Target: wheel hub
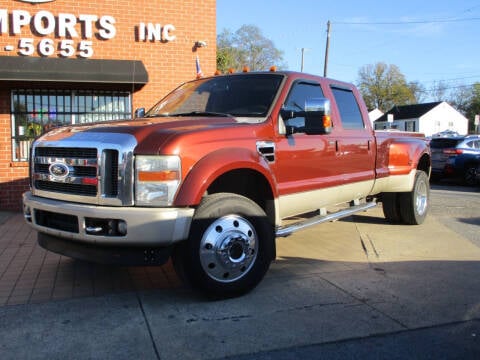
<point x="228" y="248"/>
<point x="421" y="200"/>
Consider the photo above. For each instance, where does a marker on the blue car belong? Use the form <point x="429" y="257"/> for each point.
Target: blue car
<point x="465" y="166"/>
<point x="457" y="156"/>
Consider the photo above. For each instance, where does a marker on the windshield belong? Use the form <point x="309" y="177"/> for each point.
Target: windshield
<point x="243" y="95"/>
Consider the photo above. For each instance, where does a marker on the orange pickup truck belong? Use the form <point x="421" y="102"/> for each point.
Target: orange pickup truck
<point x="218" y="169"/>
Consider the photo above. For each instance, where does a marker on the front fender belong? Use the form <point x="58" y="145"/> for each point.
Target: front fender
<point x="213" y="165"/>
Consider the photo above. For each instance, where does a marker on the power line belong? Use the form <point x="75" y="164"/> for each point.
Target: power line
<point x="453" y="79"/>
<point x="404" y="22"/>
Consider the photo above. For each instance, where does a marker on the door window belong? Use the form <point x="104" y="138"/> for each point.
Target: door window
<point x="350" y="115"/>
<point x="300" y="92"/>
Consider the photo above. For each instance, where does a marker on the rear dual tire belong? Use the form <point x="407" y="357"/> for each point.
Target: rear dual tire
<point x="410" y="208"/>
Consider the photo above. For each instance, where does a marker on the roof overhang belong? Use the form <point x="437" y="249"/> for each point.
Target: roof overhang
<point x="13" y="68"/>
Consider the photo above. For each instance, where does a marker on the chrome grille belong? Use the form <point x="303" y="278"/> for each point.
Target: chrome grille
<point x="72" y="189"/>
<point x="90" y="153"/>
<point x="82" y="178"/>
<point x="81" y="169"/>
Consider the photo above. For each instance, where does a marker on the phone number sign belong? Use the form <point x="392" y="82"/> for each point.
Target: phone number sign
<point x="71" y="34"/>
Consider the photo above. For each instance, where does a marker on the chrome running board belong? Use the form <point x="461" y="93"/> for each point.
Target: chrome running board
<point x="290" y="229"/>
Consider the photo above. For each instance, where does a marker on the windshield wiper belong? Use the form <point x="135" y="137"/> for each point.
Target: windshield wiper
<point x="201" y="113"/>
<point x="156" y="115"/>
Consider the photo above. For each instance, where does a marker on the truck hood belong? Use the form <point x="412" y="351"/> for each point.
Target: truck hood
<point x="150" y="133"/>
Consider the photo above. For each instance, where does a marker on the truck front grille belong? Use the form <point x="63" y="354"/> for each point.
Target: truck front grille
<point x="63" y="152"/>
<point x="86" y="171"/>
<point x="73" y="189"/>
<point x="80" y="165"/>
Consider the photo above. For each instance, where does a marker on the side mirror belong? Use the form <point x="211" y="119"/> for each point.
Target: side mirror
<point x="139" y="113"/>
<point x="288" y="114"/>
<point x="317" y="116"/>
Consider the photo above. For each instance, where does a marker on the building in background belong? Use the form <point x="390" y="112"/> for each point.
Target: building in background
<point x="374" y="115"/>
<point x="73" y="62"/>
<point x="428" y="118"/>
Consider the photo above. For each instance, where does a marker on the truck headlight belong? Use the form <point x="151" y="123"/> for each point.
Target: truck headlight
<point x="157" y="179"/>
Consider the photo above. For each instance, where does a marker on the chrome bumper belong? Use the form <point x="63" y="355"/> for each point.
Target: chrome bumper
<point x="155" y="227"/>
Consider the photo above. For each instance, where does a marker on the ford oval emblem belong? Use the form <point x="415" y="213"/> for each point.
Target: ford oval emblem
<point x="59" y="170"/>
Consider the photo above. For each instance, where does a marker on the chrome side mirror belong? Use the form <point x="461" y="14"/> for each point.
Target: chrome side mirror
<point x="139" y="113"/>
<point x="317" y="116"/>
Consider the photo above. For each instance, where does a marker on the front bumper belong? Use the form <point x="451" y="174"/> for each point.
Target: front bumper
<point x="145" y="227"/>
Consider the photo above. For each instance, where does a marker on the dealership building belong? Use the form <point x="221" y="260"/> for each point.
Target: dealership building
<point x="73" y="62"/>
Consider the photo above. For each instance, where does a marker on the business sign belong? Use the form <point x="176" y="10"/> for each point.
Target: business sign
<point x="67" y="35"/>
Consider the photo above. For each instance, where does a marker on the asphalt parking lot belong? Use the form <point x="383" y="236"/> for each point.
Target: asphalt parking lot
<point x="351" y="287"/>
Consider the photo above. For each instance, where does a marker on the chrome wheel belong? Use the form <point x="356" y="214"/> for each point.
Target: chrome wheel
<point x="414" y="204"/>
<point x="421" y="199"/>
<point x="228" y="248"/>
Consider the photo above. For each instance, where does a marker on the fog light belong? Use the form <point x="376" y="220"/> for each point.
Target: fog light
<point x="122" y="227"/>
<point x="105" y="227"/>
<point x="27" y="213"/>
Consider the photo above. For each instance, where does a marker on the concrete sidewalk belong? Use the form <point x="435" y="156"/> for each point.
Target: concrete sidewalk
<point x="349" y="279"/>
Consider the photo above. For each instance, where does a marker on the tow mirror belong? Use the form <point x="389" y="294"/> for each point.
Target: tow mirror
<point x="317" y="116"/>
<point x="139" y="113"/>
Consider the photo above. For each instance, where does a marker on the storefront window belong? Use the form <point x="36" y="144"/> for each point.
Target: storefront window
<point x="36" y="111"/>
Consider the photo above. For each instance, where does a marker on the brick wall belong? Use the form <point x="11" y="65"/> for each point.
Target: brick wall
<point x="168" y="63"/>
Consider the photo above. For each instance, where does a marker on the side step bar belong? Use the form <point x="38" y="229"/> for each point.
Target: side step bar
<point x="290" y="229"/>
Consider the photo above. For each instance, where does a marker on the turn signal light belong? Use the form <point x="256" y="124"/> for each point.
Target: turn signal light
<point x="152" y="176"/>
<point x="327" y="121"/>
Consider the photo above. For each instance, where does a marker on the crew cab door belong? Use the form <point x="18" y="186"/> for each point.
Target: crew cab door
<point x="304" y="163"/>
<point x="314" y="171"/>
<point x="356" y="142"/>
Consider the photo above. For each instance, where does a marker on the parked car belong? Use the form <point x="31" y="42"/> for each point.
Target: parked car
<point x="465" y="166"/>
<point x="478" y="174"/>
<point x="456" y="156"/>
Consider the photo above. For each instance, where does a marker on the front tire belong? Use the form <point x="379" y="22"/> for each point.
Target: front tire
<point x="414" y="205"/>
<point x="228" y="250"/>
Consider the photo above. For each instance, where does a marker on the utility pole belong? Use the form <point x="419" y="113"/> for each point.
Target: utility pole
<point x="326" y="50"/>
<point x="303" y="56"/>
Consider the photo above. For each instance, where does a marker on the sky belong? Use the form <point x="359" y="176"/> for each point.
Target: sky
<point x="429" y="41"/>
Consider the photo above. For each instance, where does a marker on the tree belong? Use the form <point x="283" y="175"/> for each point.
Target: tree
<point x="474" y="108"/>
<point x="418" y="91"/>
<point x="466" y="99"/>
<point x="246" y="47"/>
<point x="439" y="91"/>
<point x="384" y="86"/>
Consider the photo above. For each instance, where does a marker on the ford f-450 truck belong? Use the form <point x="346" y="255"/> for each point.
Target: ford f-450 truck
<point x="218" y="169"/>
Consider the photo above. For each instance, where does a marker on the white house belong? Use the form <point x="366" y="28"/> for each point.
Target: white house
<point x="374" y="115"/>
<point x="428" y="118"/>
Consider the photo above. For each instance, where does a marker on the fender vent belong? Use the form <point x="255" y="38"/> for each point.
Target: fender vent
<point x="267" y="150"/>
